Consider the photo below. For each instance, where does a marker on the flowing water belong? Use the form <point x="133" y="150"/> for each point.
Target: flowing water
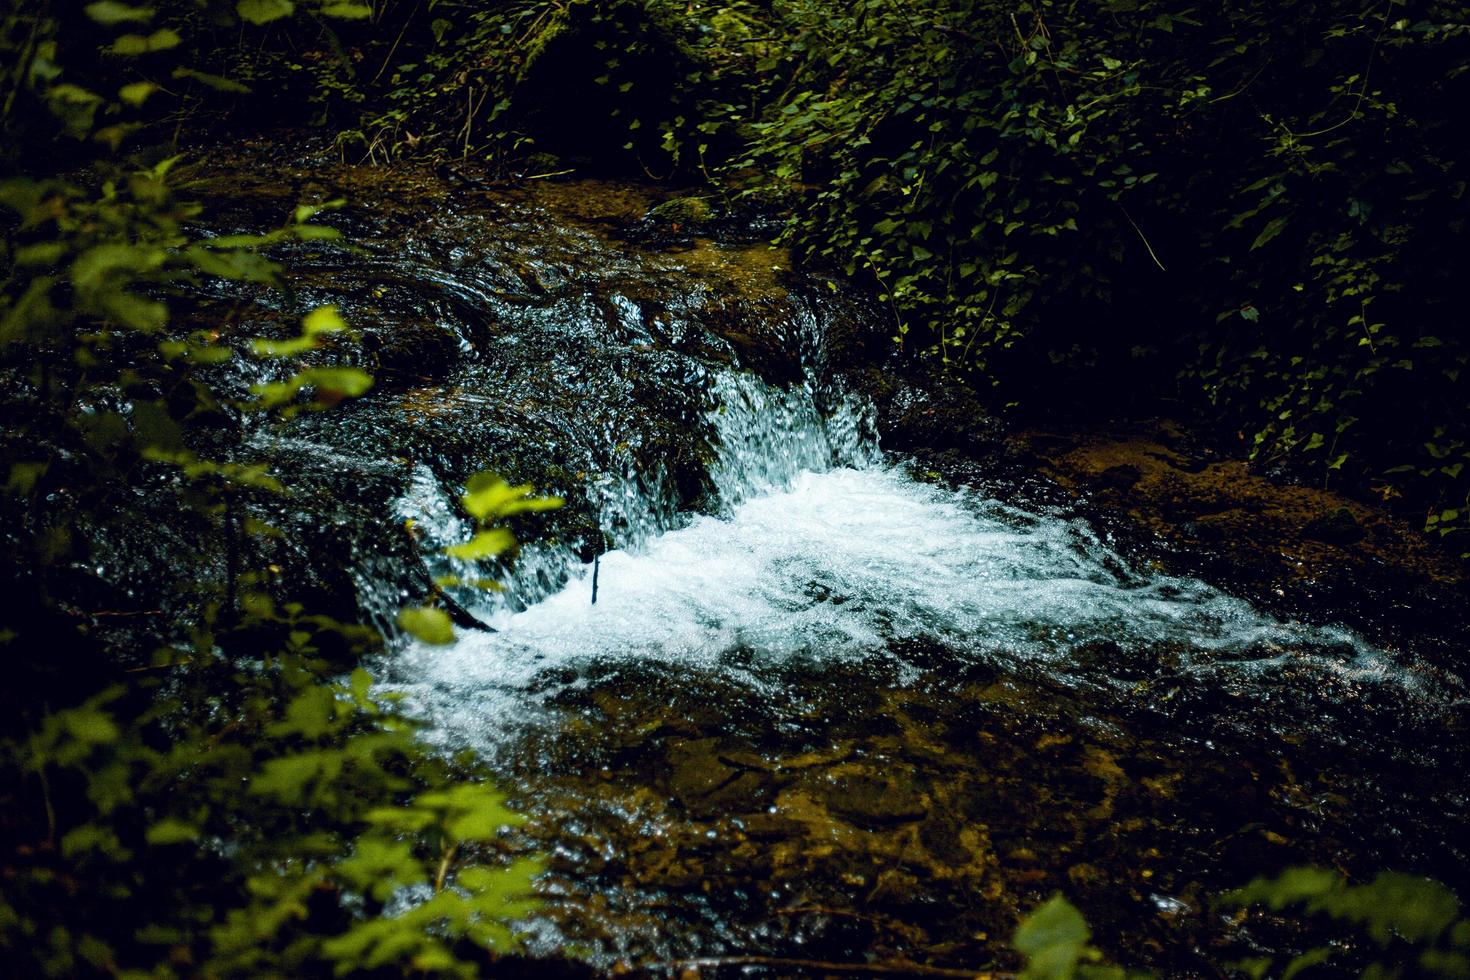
<point x="750" y="667"/>
<point x="821" y="549"/>
<point x="828" y="704"/>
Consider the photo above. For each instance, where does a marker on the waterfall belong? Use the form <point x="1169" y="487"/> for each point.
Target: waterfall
<point x="821" y="548"/>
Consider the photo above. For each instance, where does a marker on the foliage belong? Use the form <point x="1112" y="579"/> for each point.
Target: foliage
<point x="1251" y="207"/>
<point x="1415" y="923"/>
<point x="1054" y="938"/>
<point x="214" y="787"/>
<point x="349" y="847"/>
<point x="1264" y="200"/>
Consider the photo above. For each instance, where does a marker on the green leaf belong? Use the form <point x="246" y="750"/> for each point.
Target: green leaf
<point x="110" y="13"/>
<point x="239" y="265"/>
<point x="137" y="93"/>
<point x="323" y="319"/>
<point x="1053" y="939"/>
<point x="93" y="837"/>
<point x="260" y="12"/>
<point x="309" y="714"/>
<point x="1273" y="228"/>
<point x="338" y="382"/>
<point x="381" y="867"/>
<point x="287" y="778"/>
<point x="1307" y="960"/>
<point x="427" y="624"/>
<point x="485" y="544"/>
<point x="361" y="682"/>
<point x="170" y="831"/>
<point x="23" y="477"/>
<point x="216" y="82"/>
<point x="305" y="212"/>
<point x="132" y="45"/>
<point x="488" y="496"/>
<point x="104" y="264"/>
<point x="41" y="253"/>
<point x="134" y="312"/>
<point x="347" y="11"/>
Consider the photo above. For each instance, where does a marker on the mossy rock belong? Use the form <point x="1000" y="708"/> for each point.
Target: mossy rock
<point x="1340" y="527"/>
<point x="685" y="212"/>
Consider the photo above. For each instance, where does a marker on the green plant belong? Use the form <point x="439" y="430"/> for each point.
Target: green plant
<point x="212" y="787"/>
<point x="1414" y="924"/>
<point x="1054" y="939"/>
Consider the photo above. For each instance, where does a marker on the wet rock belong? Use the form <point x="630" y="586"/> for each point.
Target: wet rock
<point x="697" y="770"/>
<point x="688" y="213"/>
<point x="413" y="350"/>
<point x="944" y="837"/>
<point x="1294" y="550"/>
<point x="873" y="800"/>
<point x="1211" y="528"/>
<point x="1339" y="527"/>
<point x="897" y="889"/>
<point x="936" y="418"/>
<point x="1120" y="477"/>
<point x="771" y="826"/>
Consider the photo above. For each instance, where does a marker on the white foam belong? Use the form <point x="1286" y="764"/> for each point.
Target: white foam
<point x="841" y="564"/>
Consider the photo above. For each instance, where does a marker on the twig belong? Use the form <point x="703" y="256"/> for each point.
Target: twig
<point x="1143" y="238"/>
<point x="876" y="969"/>
<point x="118" y="613"/>
<point x="50" y="809"/>
<point x="391" y="51"/>
<point x="144" y="670"/>
<point x="839" y="913"/>
<point x="444" y="868"/>
<point x="23" y="67"/>
<point x="457" y="613"/>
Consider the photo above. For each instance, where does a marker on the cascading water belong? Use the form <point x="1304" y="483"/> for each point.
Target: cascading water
<point x="820" y="548"/>
<point x="823" y="709"/>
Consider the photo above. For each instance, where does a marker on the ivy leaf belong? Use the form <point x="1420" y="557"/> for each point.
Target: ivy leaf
<point x="259" y="12"/>
<point x="428" y="625"/>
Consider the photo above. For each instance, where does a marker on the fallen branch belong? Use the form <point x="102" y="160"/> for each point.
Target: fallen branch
<point x="458" y="614"/>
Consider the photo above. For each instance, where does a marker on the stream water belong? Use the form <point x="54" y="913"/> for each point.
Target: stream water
<point x="792" y="660"/>
<point x="828" y="704"/>
<point x="820" y="548"/>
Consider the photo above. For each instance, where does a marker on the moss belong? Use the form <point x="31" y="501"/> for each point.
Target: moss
<point x="685" y="211"/>
<point x="1191" y="495"/>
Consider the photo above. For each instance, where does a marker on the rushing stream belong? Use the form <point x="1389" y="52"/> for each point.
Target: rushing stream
<point x="829" y="704"/>
<point x="823" y="565"/>
<point x="822" y="549"/>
